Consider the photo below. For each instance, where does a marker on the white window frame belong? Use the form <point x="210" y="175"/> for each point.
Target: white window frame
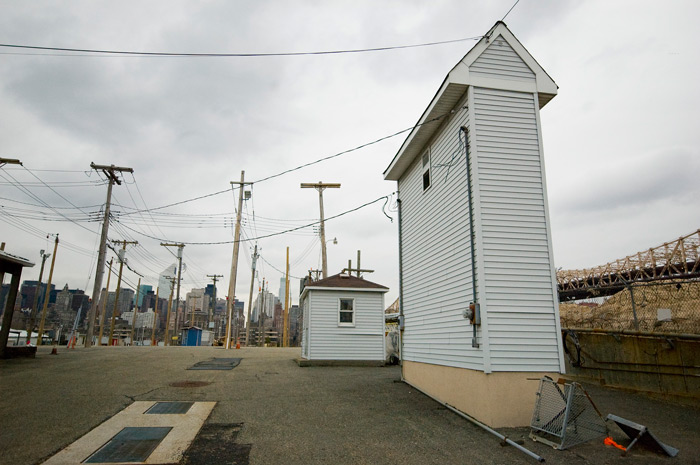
<point x="352" y="299"/>
<point x="426" y="169"/>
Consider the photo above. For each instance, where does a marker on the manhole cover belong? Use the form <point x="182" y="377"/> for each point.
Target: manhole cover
<point x="216" y="364"/>
<point x="131" y="444"/>
<point x="189" y="384"/>
<point x="160" y="408"/>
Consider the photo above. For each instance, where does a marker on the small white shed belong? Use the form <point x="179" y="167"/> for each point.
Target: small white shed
<point x="343" y="320"/>
<point x="474" y="228"/>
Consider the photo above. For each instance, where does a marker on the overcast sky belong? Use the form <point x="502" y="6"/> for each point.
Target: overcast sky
<point x="621" y="139"/>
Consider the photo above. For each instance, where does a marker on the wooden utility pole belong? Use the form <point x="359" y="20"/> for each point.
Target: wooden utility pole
<point x="250" y="297"/>
<point x="321" y="187"/>
<point x="104" y="305"/>
<point x="285" y="332"/>
<point x="122" y="258"/>
<point x="167" y="340"/>
<point x="32" y="315"/>
<point x="136" y="306"/>
<point x="234" y="261"/>
<point x="155" y="319"/>
<point x="179" y="246"/>
<point x="109" y="171"/>
<point x="212" y="304"/>
<point x="261" y="315"/>
<point x="358" y="270"/>
<point x="47" y="295"/>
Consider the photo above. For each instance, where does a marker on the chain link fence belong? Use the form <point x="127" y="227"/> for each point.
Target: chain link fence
<point x="668" y="307"/>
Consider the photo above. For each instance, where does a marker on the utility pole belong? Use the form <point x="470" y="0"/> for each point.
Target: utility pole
<point x="285" y="333"/>
<point x="136" y="306"/>
<point x="234" y="260"/>
<point x="122" y="258"/>
<point x="250" y="297"/>
<point x="358" y="270"/>
<point x="155" y="319"/>
<point x="32" y="315"/>
<point x="179" y="246"/>
<point x="109" y="171"/>
<point x="104" y="305"/>
<point x="212" y="304"/>
<point x="261" y="315"/>
<point x="168" y="341"/>
<point x="321" y="187"/>
<point x="47" y="294"/>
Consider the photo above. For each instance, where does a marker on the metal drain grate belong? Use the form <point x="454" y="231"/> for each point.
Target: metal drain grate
<point x="216" y="364"/>
<point x="131" y="444"/>
<point x="173" y="408"/>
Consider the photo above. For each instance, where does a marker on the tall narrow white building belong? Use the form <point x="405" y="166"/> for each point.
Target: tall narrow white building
<point x="474" y="229"/>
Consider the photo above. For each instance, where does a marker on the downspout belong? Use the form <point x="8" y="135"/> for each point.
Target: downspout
<point x="401" y="320"/>
<point x="474" y="305"/>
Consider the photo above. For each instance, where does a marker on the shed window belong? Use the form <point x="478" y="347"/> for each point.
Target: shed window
<point x="346" y="313"/>
<point x="426" y="169"/>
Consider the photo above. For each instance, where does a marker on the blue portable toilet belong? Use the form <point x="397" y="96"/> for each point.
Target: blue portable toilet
<point x="192" y="336"/>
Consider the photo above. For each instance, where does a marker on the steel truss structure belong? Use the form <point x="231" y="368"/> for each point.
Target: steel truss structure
<point x="676" y="259"/>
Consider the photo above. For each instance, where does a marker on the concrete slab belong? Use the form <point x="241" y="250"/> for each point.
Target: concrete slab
<point x="171" y="448"/>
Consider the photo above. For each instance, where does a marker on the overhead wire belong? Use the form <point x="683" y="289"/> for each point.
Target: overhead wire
<point x="105" y="52"/>
<point x="384" y="197"/>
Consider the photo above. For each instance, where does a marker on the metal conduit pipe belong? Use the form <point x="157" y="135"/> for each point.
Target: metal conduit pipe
<point x="401" y="317"/>
<point x="471" y="231"/>
<point x="480" y="424"/>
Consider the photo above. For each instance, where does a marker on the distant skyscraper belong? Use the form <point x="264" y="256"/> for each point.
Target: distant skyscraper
<point x="142" y="291"/>
<point x="283" y="289"/>
<point x="164" y="284"/>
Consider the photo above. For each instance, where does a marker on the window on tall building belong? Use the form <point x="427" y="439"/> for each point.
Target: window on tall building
<point x="426" y="169"/>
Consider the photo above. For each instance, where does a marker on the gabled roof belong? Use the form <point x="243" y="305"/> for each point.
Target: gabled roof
<point x="454" y="87"/>
<point x="342" y="282"/>
<point x="345" y="281"/>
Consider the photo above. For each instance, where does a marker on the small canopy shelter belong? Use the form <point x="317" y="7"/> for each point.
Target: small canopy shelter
<point x="13" y="265"/>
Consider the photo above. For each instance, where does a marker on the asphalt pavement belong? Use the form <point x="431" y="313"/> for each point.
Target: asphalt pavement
<point x="271" y="411"/>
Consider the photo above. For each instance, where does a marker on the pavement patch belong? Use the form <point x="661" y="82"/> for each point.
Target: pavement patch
<point x="189" y="384"/>
<point x="216" y="364"/>
<point x="138" y="431"/>
<point x="216" y="443"/>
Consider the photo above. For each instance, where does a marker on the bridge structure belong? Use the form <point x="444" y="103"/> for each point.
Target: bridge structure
<point x="677" y="259"/>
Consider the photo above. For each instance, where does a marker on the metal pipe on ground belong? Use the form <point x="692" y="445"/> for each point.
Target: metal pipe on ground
<point x="480" y="425"/>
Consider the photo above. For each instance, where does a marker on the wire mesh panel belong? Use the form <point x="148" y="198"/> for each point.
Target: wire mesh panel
<point x="565" y="415"/>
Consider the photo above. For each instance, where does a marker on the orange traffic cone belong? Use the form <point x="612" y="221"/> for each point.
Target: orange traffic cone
<point x="54" y="351"/>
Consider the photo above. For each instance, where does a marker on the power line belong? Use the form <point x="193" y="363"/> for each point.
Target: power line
<point x="511" y="9"/>
<point x="384" y="197"/>
<point x="89" y="51"/>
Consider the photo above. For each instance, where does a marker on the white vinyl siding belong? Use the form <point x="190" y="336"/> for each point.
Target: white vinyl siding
<point x="329" y="340"/>
<point x="500" y="61"/>
<point x="520" y="299"/>
<point x="436" y="256"/>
